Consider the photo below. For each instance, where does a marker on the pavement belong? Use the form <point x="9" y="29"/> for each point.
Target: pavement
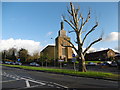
<point x="15" y="79"/>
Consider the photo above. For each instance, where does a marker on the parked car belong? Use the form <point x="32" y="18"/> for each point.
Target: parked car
<point x="18" y="63"/>
<point x="1" y="62"/>
<point x="118" y="64"/>
<point x="103" y="64"/>
<point x="13" y="63"/>
<point x="34" y="64"/>
<point x="106" y="63"/>
<point x="91" y="64"/>
<point x="113" y="64"/>
<point x="8" y="62"/>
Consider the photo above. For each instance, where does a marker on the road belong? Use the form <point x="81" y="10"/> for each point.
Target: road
<point x="20" y="79"/>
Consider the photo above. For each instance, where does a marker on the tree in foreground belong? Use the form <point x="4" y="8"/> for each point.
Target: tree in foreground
<point x="77" y="22"/>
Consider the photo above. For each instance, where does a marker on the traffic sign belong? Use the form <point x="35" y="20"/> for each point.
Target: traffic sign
<point x="18" y="59"/>
<point x="73" y="55"/>
<point x="73" y="59"/>
<point x="60" y="60"/>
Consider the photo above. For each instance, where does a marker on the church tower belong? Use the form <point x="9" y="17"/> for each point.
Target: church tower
<point x="63" y="52"/>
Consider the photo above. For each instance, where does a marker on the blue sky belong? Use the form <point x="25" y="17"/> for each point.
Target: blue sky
<point x="41" y="20"/>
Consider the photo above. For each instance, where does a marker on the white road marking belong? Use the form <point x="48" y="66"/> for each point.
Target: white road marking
<point x="10" y="75"/>
<point x="50" y="85"/>
<point x="27" y="83"/>
<point x="31" y="80"/>
<point x="34" y="81"/>
<point x="57" y="87"/>
<point x="60" y="85"/>
<point x="111" y="81"/>
<point x="7" y="75"/>
<point x="27" y="77"/>
<point x="13" y="77"/>
<point x="8" y="81"/>
<point x="17" y="79"/>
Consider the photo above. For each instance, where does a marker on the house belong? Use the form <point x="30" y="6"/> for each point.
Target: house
<point x="117" y="56"/>
<point x="103" y="55"/>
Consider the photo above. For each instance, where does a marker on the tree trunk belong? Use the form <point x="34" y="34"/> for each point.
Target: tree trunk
<point x="46" y="63"/>
<point x="82" y="67"/>
<point x="42" y="64"/>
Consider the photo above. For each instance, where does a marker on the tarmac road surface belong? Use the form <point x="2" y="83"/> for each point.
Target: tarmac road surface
<point x="20" y="79"/>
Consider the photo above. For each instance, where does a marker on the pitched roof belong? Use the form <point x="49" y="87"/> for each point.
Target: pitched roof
<point x="47" y="47"/>
<point x="102" y="51"/>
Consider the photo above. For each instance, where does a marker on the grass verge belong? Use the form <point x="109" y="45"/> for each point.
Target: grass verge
<point x="94" y="74"/>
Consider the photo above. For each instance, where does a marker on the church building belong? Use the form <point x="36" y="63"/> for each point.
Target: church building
<point x="59" y="51"/>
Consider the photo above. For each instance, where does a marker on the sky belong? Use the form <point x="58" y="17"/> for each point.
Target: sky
<point x="31" y="25"/>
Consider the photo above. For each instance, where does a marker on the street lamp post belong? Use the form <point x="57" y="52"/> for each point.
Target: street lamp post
<point x="54" y="54"/>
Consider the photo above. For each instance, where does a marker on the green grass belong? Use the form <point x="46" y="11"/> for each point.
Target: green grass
<point x="71" y="72"/>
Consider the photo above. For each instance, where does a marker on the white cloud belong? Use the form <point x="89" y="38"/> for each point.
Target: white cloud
<point x="117" y="48"/>
<point x="90" y="50"/>
<point x="49" y="33"/>
<point x="30" y="45"/>
<point x="113" y="36"/>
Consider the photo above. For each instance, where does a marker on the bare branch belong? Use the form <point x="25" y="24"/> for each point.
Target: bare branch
<point x="73" y="12"/>
<point x="76" y="14"/>
<point x="72" y="22"/>
<point x="70" y="44"/>
<point x="88" y="17"/>
<point x="89" y="32"/>
<point x="77" y="10"/>
<point x="78" y="17"/>
<point x="91" y="45"/>
<point x="69" y="24"/>
<point x="69" y="11"/>
<point x="70" y="31"/>
<point x="84" y="22"/>
<point x="76" y="42"/>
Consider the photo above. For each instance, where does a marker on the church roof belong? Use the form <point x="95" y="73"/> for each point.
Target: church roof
<point x="48" y="46"/>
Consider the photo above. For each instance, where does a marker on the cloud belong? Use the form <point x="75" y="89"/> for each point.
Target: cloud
<point x="49" y="33"/>
<point x="117" y="48"/>
<point x="90" y="50"/>
<point x="113" y="36"/>
<point x="30" y="45"/>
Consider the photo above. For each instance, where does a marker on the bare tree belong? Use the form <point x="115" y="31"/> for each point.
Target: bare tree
<point x="77" y="22"/>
